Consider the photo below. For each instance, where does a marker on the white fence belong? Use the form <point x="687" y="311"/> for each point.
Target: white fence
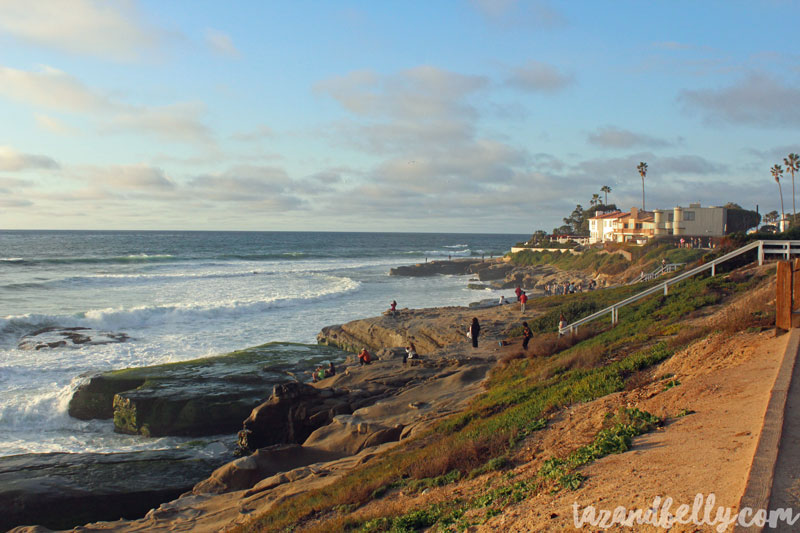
<point x="782" y="248"/>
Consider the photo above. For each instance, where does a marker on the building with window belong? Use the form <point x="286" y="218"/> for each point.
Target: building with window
<point x="601" y="226"/>
<point x="634" y="227"/>
<point x="692" y="221"/>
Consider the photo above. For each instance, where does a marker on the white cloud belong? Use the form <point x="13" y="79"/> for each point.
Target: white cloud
<point x="13" y="160"/>
<point x="179" y="122"/>
<point x="52" y="89"/>
<point x="614" y="137"/>
<point x="536" y="76"/>
<point x="757" y="100"/>
<point x="136" y="177"/>
<point x="221" y="43"/>
<point x="111" y="30"/>
<point x="53" y="124"/>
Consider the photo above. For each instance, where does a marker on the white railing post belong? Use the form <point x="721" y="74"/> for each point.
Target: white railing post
<point x="713" y="269"/>
<point x="666" y="288"/>
<point x="760" y="253"/>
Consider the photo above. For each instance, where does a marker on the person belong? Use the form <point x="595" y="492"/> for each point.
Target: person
<point x="474" y="332"/>
<point x="318" y="374"/>
<point x="393" y="308"/>
<point x="331" y="371"/>
<point x="411" y="352"/>
<point x="518" y="291"/>
<point x="364" y="358"/>
<point x="523" y="299"/>
<point x="562" y="323"/>
<point x="527" y="335"/>
<point x="502" y="299"/>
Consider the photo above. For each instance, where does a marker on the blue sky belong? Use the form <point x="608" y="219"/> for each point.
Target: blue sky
<point x="465" y="116"/>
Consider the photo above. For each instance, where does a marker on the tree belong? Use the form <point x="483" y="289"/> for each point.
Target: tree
<point x="595" y="200"/>
<point x="642" y="168"/>
<point x="575" y="219"/>
<point x="606" y="189"/>
<point x="792" y="162"/>
<point x="771" y="217"/>
<point x="776" y="173"/>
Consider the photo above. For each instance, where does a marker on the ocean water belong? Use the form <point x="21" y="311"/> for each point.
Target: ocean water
<point x="184" y="295"/>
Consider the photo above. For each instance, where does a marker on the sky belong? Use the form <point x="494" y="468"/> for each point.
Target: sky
<point x="489" y="116"/>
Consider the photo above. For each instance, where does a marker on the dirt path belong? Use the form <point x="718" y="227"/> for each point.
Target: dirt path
<point x="726" y="382"/>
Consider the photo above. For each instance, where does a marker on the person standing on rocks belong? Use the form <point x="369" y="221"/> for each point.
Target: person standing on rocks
<point x="527" y="335"/>
<point x="518" y="291"/>
<point x="474" y="331"/>
<point x="523" y="299"/>
<point x="393" y="308"/>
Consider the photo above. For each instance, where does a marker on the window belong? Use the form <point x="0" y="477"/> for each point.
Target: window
<point x="638" y="225"/>
<point x="672" y="217"/>
<point x="688" y="215"/>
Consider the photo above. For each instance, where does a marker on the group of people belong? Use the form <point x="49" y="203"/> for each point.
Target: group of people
<point x="568" y="287"/>
<point x="321" y="372"/>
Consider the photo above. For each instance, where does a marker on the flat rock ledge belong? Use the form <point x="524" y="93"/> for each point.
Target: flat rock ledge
<point x="202" y="397"/>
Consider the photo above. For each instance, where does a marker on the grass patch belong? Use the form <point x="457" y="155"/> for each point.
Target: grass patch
<point x="629" y="423"/>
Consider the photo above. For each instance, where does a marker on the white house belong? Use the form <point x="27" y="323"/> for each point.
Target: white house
<point x="601" y="226"/>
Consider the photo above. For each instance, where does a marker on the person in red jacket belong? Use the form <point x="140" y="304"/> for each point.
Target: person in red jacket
<point x="364" y="358"/>
<point x="523" y="299"/>
<point x="518" y="291"/>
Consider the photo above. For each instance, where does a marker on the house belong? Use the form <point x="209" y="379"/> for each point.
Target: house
<point x="634" y="227"/>
<point x="692" y="221"/>
<point x="601" y="226"/>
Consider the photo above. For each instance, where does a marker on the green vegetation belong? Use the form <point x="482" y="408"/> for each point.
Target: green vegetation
<point x="522" y="393"/>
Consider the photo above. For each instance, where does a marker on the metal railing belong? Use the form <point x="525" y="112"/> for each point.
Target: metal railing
<point x="663" y="269"/>
<point x="784" y="248"/>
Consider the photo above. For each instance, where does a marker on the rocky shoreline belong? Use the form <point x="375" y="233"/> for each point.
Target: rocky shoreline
<point x="302" y="432"/>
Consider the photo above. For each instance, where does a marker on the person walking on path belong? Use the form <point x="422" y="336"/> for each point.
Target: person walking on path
<point x="523" y="299"/>
<point x="474" y="332"/>
<point x="527" y="335"/>
<point x="518" y="291"/>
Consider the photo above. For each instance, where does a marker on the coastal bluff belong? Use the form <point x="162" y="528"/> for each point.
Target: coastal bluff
<point x="499" y="273"/>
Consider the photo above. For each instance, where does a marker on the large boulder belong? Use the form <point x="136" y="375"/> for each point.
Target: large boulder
<point x="291" y="414"/>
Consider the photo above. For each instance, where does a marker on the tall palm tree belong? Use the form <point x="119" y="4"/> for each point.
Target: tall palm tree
<point x="792" y="162"/>
<point x="776" y="173"/>
<point x="595" y="199"/>
<point x="642" y="168"/>
<point x="606" y="189"/>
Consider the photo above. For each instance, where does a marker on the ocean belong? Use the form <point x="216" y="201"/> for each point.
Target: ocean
<point x="184" y="295"/>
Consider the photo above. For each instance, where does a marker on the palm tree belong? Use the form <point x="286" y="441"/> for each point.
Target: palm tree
<point x="792" y="162"/>
<point x="642" y="168"/>
<point x="595" y="199"/>
<point x="606" y="189"/>
<point x="776" y="173"/>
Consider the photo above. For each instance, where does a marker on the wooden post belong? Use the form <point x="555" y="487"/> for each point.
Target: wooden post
<point x="796" y="294"/>
<point x="783" y="298"/>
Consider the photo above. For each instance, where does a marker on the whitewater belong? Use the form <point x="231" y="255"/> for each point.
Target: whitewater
<point x="186" y="295"/>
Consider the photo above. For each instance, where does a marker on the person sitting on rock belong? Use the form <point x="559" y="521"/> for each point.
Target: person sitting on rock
<point x="317" y="374"/>
<point x="411" y="351"/>
<point x="364" y="358"/>
<point x="331" y="370"/>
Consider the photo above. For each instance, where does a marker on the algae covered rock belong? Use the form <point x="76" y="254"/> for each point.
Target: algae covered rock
<point x="207" y="396"/>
